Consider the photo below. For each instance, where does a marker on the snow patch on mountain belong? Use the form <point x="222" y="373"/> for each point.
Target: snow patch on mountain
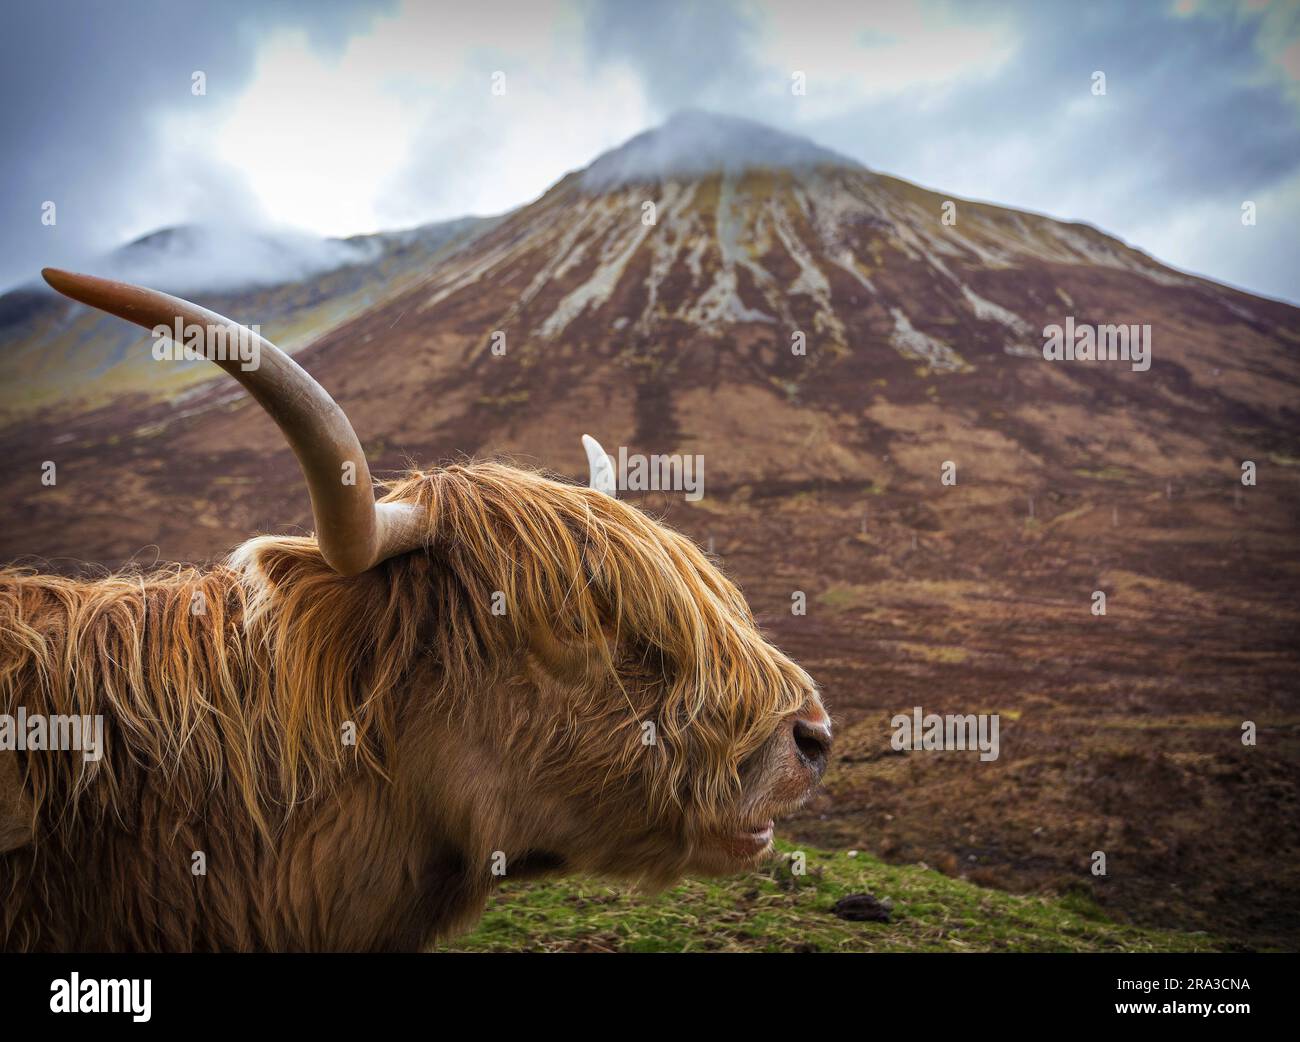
<point x="988" y="311"/>
<point x="597" y="288"/>
<point x="912" y="343"/>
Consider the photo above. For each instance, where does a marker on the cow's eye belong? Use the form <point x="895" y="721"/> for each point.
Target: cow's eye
<point x="645" y="661"/>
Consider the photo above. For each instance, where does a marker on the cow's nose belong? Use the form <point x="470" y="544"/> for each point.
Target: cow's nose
<point x="812" y="738"/>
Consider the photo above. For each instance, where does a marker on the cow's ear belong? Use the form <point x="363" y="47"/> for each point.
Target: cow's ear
<point x="15" y="806"/>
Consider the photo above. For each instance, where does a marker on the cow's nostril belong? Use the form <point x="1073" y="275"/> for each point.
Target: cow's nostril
<point x="813" y="742"/>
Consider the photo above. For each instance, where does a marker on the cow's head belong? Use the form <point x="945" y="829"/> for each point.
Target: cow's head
<point x="595" y="696"/>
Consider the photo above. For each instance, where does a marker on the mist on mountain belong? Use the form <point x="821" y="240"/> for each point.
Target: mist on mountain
<point x="693" y="143"/>
<point x="219" y="258"/>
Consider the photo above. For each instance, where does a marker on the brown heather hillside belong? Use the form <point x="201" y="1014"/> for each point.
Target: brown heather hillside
<point x="1119" y="733"/>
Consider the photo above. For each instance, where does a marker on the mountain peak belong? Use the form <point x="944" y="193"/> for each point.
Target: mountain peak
<point x="695" y="143"/>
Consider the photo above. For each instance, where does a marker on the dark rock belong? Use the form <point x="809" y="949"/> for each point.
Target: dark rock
<point x="862" y="908"/>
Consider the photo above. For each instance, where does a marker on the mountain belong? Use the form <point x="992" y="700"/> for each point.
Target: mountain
<point x="60" y="357"/>
<point x="644" y="318"/>
<point x="660" y="300"/>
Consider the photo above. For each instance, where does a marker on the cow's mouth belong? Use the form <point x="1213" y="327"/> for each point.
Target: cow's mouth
<point x="751" y="839"/>
<point x="732" y="847"/>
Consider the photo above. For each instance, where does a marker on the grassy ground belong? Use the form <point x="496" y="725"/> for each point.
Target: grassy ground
<point x="772" y="909"/>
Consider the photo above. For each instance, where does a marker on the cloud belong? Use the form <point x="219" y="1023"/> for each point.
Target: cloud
<point x="95" y="96"/>
<point x="512" y="109"/>
<point x="854" y="51"/>
<point x="687" y="55"/>
<point x="212" y="257"/>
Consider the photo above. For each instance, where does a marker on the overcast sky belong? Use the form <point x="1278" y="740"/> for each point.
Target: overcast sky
<point x="340" y="118"/>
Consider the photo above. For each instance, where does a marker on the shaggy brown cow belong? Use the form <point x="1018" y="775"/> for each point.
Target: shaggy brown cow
<point x="349" y="736"/>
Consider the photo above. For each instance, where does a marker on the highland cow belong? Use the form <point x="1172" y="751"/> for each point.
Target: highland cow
<point x="330" y="742"/>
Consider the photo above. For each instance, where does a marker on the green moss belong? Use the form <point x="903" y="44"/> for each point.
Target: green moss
<point x="1103" y="473"/>
<point x="771" y="909"/>
<point x="935" y="652"/>
<point x="844" y="596"/>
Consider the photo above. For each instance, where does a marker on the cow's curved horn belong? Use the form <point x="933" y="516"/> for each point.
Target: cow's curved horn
<point x="355" y="533"/>
<point x="600" y="468"/>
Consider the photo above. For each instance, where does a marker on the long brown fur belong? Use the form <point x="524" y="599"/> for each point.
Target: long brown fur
<point x="228" y="695"/>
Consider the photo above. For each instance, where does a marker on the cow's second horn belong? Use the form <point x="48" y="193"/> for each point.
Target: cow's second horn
<point x="355" y="533"/>
<point x="601" y="468"/>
